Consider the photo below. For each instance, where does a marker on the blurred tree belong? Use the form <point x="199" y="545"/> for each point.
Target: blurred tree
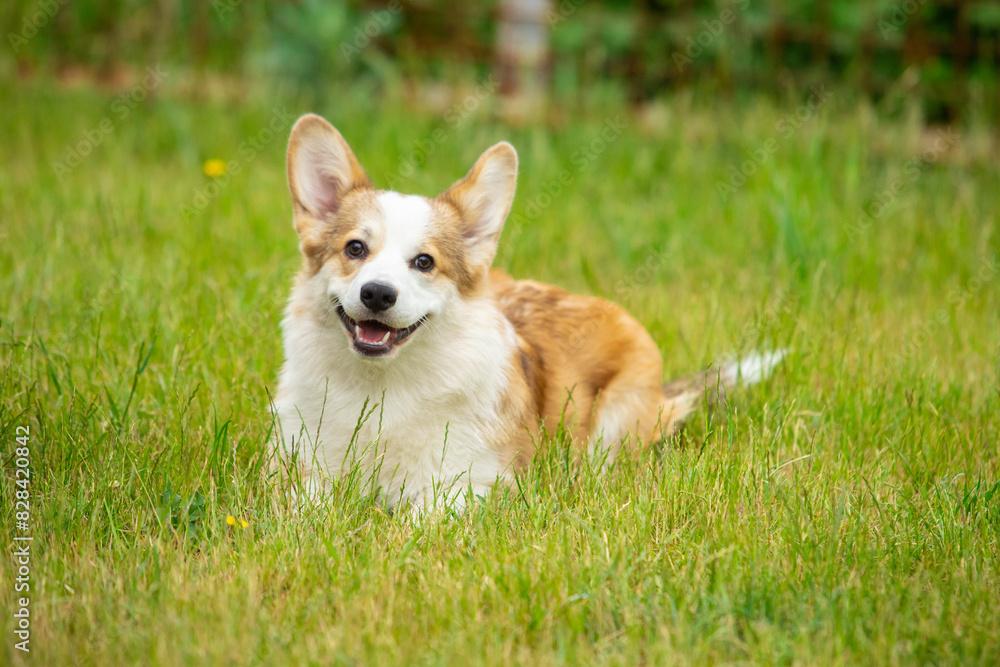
<point x="522" y="59"/>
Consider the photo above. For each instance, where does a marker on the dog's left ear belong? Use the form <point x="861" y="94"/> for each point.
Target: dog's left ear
<point x="484" y="198"/>
<point x="322" y="169"/>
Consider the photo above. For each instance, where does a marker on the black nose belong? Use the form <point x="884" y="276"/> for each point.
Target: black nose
<point x="378" y="297"/>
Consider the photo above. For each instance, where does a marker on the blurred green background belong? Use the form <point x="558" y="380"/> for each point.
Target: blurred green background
<point x="945" y="53"/>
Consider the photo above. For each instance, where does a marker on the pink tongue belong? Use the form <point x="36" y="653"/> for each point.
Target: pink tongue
<point x="372" y="332"/>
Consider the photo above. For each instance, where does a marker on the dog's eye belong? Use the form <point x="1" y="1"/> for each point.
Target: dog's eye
<point x="424" y="262"/>
<point x="355" y="249"/>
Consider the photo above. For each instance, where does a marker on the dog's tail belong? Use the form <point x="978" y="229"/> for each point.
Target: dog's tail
<point x="681" y="397"/>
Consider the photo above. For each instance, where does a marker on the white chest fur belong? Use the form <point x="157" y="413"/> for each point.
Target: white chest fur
<point x="416" y="426"/>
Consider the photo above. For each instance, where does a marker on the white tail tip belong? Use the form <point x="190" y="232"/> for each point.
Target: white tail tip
<point x="751" y="369"/>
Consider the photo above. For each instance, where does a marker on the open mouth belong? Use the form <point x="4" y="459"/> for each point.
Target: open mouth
<point x="373" y="338"/>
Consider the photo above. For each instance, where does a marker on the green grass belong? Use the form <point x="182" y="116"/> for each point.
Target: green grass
<point x="845" y="512"/>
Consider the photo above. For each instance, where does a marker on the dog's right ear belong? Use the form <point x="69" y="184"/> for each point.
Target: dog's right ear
<point x="484" y="198"/>
<point x="322" y="169"/>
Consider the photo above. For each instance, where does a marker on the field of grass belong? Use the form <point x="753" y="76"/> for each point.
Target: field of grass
<point x="845" y="512"/>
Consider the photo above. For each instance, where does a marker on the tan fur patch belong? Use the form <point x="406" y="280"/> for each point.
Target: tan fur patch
<point x="578" y="351"/>
<point x="329" y="235"/>
<point x="449" y="248"/>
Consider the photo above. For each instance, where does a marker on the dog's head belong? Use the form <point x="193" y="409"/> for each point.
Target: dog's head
<point x="391" y="262"/>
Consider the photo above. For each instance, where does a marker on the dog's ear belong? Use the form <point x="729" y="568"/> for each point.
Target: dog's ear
<point x="322" y="169"/>
<point x="484" y="198"/>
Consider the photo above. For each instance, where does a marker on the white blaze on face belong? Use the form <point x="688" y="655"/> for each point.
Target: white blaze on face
<point x="400" y="225"/>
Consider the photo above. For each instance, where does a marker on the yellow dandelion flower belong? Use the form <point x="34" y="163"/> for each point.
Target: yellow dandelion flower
<point x="231" y="520"/>
<point x="215" y="167"/>
<point x="243" y="524"/>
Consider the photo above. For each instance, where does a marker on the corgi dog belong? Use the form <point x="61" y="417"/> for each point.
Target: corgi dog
<point x="407" y="355"/>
